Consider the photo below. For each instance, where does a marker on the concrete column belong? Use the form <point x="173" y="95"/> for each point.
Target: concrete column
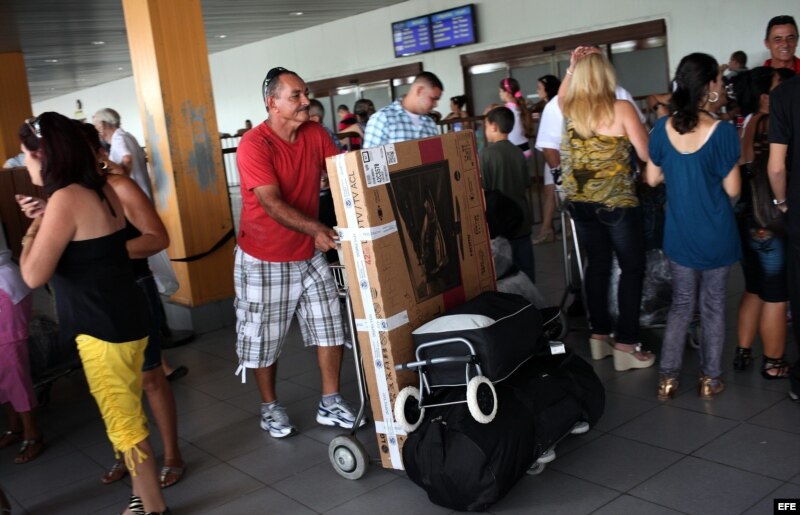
<point x="16" y="104"/>
<point x="173" y="83"/>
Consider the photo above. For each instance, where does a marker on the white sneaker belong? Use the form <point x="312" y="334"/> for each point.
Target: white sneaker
<point x="276" y="421"/>
<point x="547" y="456"/>
<point x="337" y="414"/>
<point x="580" y="428"/>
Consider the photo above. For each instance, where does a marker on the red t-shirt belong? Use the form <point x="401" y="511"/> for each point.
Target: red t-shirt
<point x="768" y="63"/>
<point x="265" y="159"/>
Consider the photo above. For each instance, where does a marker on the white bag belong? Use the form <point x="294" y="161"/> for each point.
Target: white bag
<point x="166" y="281"/>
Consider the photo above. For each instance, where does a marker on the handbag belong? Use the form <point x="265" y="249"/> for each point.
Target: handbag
<point x="166" y="280"/>
<point x="765" y="212"/>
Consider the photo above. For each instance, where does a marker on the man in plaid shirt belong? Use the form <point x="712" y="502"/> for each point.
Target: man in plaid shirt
<point x="408" y="117"/>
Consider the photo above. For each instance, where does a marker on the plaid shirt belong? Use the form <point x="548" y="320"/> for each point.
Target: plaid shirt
<point x="392" y="124"/>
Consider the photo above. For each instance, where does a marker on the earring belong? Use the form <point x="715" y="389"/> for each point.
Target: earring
<point x="713" y="97"/>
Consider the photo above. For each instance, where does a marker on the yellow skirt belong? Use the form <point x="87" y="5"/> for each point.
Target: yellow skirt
<point x="114" y="374"/>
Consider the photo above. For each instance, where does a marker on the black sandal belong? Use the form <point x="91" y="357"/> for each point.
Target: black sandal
<point x="779" y="365"/>
<point x="742" y="359"/>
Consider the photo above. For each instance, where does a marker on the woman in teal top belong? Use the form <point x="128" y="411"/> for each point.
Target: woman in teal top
<point x="695" y="155"/>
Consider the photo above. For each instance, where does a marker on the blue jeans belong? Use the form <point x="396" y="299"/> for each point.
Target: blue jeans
<point x="603" y="232"/>
<point x="764" y="264"/>
<point x="685" y="282"/>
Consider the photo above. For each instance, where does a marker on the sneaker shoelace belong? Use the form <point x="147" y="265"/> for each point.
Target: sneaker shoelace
<point x="341" y="407"/>
<point x="278" y="415"/>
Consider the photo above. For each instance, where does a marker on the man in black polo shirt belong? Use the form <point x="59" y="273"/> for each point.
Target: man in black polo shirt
<point x="784" y="175"/>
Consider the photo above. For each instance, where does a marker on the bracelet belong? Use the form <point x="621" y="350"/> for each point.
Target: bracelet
<point x="777" y="202"/>
<point x="27" y="238"/>
<point x="104" y="165"/>
<point x="569" y="72"/>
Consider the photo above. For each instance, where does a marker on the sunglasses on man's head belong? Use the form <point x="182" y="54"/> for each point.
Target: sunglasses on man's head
<point x="274" y="72"/>
<point x="33" y="125"/>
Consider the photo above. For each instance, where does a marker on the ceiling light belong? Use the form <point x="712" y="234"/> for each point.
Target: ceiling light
<point x="296" y="13"/>
<point x="222" y="36"/>
<point x="98" y="42"/>
<point x="120" y="68"/>
<point x="51" y="61"/>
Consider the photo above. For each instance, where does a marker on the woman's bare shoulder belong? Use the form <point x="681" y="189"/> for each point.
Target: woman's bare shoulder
<point x="625" y="108"/>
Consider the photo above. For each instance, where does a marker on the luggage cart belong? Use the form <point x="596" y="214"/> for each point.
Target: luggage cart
<point x="347" y="454"/>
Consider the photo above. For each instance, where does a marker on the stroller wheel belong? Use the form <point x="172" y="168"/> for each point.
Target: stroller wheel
<point x="555" y="323"/>
<point x="407" y="410"/>
<point x="481" y="399"/>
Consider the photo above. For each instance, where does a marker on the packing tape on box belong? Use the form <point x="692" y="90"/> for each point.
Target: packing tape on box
<point x="371" y="321"/>
<point x="384" y="324"/>
<point x="380" y="427"/>
<point x="367" y="233"/>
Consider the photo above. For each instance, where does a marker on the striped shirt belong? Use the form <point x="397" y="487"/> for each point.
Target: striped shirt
<point x="393" y="124"/>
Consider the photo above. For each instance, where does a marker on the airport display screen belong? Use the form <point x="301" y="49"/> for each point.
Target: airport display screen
<point x="412" y="36"/>
<point x="453" y="27"/>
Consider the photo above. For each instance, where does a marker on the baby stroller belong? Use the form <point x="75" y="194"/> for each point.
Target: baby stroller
<point x="480" y="343"/>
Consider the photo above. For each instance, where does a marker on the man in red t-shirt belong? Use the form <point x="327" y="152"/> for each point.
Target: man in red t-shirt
<point x="781" y="41"/>
<point x="279" y="269"/>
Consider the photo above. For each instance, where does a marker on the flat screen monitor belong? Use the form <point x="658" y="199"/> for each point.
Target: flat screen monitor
<point x="454" y="27"/>
<point x="412" y="36"/>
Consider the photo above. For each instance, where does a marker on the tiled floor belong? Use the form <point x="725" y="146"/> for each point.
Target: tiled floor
<point x="730" y="455"/>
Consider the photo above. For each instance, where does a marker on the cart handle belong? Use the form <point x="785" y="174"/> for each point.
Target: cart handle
<point x="414" y="365"/>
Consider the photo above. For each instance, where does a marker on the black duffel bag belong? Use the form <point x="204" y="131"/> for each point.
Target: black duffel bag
<point x="463" y="464"/>
<point x="557" y="392"/>
<point x="468" y="466"/>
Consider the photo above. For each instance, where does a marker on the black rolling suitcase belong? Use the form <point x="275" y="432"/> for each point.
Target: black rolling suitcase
<point x="468" y="466"/>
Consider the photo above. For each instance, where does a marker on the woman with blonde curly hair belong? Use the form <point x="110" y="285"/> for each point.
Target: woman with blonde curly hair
<point x="596" y="157"/>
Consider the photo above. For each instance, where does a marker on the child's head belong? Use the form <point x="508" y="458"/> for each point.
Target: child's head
<point x="499" y="122"/>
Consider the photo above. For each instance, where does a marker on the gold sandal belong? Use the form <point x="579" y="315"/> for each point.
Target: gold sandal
<point x="171" y="475"/>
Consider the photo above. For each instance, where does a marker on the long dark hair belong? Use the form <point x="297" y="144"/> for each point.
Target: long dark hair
<point x="750" y="85"/>
<point x="689" y="88"/>
<point x="66" y="156"/>
<point x="459" y="100"/>
<point x="90" y="133"/>
<point x="511" y="86"/>
<point x="551" y="84"/>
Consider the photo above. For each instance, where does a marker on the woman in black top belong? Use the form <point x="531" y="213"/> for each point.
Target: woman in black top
<point x="79" y="244"/>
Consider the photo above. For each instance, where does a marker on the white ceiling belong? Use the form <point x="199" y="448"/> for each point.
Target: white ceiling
<point x="66" y="29"/>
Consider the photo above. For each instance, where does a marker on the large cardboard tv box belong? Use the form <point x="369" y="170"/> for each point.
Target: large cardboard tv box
<point x="414" y="244"/>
